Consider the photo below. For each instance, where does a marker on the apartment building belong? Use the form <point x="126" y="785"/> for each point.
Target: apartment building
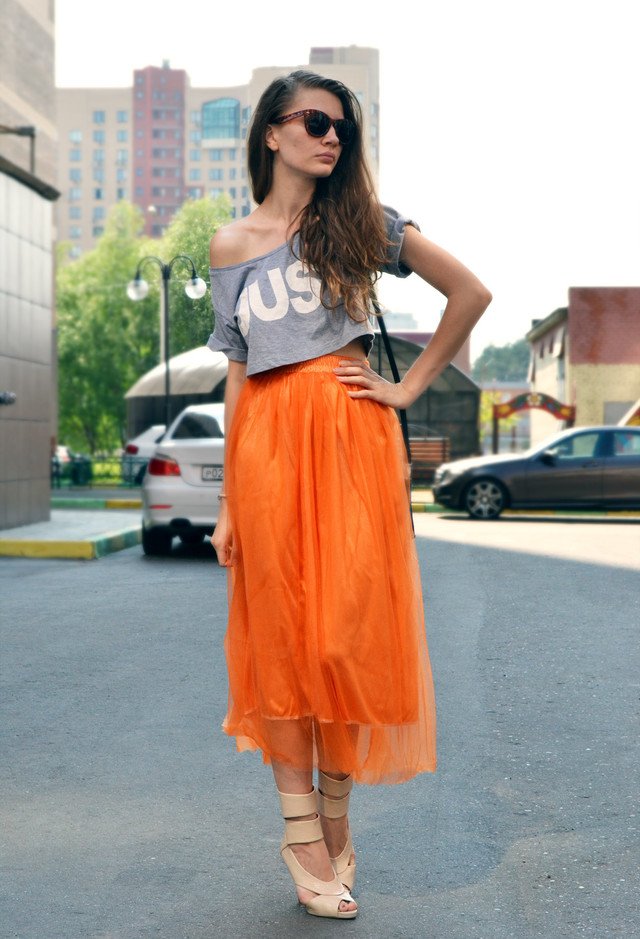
<point x="161" y="141"/>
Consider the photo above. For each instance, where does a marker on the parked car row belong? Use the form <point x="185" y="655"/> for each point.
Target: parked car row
<point x="587" y="468"/>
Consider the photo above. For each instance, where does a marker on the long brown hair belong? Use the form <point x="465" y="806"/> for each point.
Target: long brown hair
<point x="342" y="230"/>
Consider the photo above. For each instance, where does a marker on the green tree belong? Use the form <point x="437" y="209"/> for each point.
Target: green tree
<point x="502" y="363"/>
<point x="105" y="341"/>
<point x="189" y="233"/>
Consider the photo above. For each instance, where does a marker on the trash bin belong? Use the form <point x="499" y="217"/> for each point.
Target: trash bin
<point x="81" y="470"/>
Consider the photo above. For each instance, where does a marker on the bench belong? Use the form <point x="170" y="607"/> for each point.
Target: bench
<point x="426" y="456"/>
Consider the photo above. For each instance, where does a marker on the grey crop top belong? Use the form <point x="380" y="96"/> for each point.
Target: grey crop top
<point x="268" y="311"/>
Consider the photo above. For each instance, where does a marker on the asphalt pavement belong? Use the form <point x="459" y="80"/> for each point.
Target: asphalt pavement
<point x="127" y="813"/>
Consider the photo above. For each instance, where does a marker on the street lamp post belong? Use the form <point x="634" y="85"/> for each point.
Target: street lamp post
<point x="138" y="289"/>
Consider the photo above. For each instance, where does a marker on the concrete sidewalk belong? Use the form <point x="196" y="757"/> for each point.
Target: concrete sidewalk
<point x="74" y="533"/>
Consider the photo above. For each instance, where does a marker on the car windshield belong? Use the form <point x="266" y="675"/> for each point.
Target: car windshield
<point x="196" y="426"/>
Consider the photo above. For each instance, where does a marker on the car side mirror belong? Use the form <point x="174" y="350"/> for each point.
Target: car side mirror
<point x="548" y="457"/>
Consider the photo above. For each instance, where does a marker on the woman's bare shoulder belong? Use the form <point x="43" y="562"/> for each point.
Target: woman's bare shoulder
<point x="229" y="244"/>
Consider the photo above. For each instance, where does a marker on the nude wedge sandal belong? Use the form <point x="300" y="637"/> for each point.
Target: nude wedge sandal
<point x="329" y="893"/>
<point x="333" y="802"/>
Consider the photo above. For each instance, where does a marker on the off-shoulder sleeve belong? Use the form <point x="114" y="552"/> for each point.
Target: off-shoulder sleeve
<point x="226" y="336"/>
<point x="395" y="225"/>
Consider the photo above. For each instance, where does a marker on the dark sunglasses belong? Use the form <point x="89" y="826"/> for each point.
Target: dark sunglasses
<point x="317" y="124"/>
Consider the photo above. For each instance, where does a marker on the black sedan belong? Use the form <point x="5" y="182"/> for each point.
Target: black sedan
<point x="585" y="467"/>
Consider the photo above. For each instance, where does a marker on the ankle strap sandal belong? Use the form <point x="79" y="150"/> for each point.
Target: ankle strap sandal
<point x="333" y="802"/>
<point x="330" y="894"/>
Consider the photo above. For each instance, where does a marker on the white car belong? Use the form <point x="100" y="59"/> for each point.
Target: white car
<point x="137" y="452"/>
<point x="183" y="479"/>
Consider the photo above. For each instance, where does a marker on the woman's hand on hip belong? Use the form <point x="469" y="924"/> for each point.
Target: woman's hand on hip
<point x="371" y="385"/>
<point x="222" y="538"/>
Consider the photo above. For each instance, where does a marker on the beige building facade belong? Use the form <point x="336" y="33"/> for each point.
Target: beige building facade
<point x="161" y="141"/>
<point x="587" y="355"/>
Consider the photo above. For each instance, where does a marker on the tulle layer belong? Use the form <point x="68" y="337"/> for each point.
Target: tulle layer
<point x="326" y="647"/>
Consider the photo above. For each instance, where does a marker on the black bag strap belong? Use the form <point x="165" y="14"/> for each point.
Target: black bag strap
<point x="394" y="371"/>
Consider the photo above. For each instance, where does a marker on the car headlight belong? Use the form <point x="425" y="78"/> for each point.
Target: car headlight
<point x="442" y="474"/>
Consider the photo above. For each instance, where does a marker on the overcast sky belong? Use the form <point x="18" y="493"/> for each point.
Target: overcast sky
<point x="509" y="128"/>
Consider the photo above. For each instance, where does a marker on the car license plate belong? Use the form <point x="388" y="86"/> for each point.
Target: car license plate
<point x="210" y="473"/>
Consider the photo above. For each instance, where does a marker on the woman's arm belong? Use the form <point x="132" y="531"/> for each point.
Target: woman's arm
<point x="222" y="538"/>
<point x="467" y="299"/>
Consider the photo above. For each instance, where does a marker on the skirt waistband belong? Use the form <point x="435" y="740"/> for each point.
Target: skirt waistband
<point x="323" y="363"/>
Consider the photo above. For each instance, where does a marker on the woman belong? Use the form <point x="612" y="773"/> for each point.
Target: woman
<point x="326" y="650"/>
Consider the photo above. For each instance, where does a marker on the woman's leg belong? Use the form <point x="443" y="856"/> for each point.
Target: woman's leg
<point x="336" y="830"/>
<point x="314" y="857"/>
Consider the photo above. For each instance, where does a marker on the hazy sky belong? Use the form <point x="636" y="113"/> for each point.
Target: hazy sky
<point x="509" y="128"/>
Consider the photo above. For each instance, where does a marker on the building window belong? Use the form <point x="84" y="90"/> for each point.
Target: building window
<point x="215" y="192"/>
<point x="75" y="211"/>
<point x="121" y="193"/>
<point x="139" y="191"/>
<point x="232" y="192"/>
<point x="194" y="155"/>
<point x="122" y="136"/>
<point x="98" y="193"/>
<point x="246" y="209"/>
<point x="231" y="153"/>
<point x="98" y="213"/>
<point x="75" y="136"/>
<point x="98" y="176"/>
<point x="75" y="231"/>
<point x="75" y="251"/>
<point x="122" y="117"/>
<point x="221" y="119"/>
<point x="194" y="117"/>
<point x="246" y="116"/>
<point x="121" y="175"/>
<point x="75" y="175"/>
<point x="139" y="171"/>
<point x="98" y="155"/>
<point x="195" y="192"/>
<point x="122" y="156"/>
<point x="75" y="155"/>
<point x="75" y="193"/>
<point x="215" y="154"/>
<point x="215" y="174"/>
<point x="195" y="136"/>
<point x="194" y="175"/>
<point x="98" y="117"/>
<point x="97" y="230"/>
<point x="232" y="172"/>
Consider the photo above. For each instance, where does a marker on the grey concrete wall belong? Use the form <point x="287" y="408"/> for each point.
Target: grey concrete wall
<point x="26" y="300"/>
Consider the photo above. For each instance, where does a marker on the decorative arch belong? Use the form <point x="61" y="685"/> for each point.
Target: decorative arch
<point x="527" y="400"/>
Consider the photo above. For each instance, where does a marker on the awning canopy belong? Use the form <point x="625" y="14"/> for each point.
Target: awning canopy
<point x="197" y="371"/>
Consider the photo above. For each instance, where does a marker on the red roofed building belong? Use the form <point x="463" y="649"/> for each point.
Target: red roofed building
<point x="587" y="355"/>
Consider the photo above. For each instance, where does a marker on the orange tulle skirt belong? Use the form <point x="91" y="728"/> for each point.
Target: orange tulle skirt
<point x="326" y="647"/>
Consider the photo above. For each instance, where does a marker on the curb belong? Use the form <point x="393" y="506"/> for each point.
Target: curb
<point x="87" y="549"/>
<point x="58" y="502"/>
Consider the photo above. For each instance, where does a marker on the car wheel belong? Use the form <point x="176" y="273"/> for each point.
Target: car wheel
<point x="156" y="541"/>
<point x="192" y="537"/>
<point x="485" y="499"/>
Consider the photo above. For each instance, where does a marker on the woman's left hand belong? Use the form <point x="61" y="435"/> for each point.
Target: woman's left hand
<point x="371" y="385"/>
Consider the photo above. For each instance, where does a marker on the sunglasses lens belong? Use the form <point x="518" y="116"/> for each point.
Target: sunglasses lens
<point x="344" y="130"/>
<point x="317" y="123"/>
